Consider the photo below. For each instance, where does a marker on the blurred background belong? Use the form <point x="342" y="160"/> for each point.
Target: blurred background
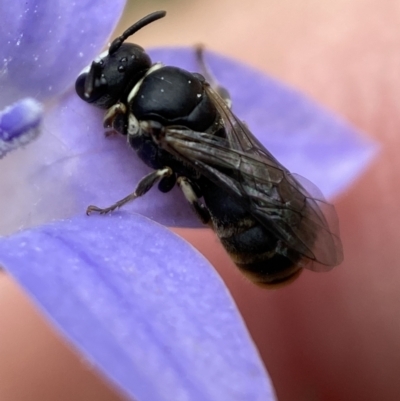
<point x="326" y="337"/>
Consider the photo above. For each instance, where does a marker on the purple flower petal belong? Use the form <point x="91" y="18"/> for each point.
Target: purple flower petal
<point x="141" y="305"/>
<point x="73" y="165"/>
<point x="44" y="44"/>
<point x="19" y="124"/>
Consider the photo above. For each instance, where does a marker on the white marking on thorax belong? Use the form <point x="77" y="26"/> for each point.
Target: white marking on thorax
<point x="135" y="89"/>
<point x="133" y="126"/>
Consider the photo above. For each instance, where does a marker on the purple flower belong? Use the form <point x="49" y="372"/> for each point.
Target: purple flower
<point x="19" y="124"/>
<point x="138" y="302"/>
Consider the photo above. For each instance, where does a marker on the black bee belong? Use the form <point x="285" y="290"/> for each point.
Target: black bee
<point x="271" y="222"/>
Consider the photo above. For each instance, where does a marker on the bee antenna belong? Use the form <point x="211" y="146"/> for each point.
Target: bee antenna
<point x="116" y="44"/>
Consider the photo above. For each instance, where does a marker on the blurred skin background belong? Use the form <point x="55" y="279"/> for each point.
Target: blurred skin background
<point x="333" y="336"/>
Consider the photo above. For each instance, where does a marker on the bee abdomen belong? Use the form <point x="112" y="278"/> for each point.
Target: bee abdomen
<point x="258" y="254"/>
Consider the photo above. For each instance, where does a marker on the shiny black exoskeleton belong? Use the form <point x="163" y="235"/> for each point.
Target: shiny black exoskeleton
<point x="182" y="126"/>
<point x="172" y="97"/>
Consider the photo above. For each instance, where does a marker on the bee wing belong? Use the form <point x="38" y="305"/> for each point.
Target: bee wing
<point x="289" y="206"/>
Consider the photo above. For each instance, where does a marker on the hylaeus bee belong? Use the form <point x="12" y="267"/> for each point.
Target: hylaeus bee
<point x="181" y="125"/>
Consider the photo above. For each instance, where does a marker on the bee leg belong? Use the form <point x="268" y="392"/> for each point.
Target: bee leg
<point x="145" y="184"/>
<point x="190" y="195"/>
<point x="205" y="71"/>
<point x="115" y="120"/>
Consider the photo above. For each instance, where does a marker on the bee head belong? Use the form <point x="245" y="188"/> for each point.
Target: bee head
<point x="112" y="75"/>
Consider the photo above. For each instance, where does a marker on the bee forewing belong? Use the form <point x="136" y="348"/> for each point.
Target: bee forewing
<point x="287" y="205"/>
<point x="322" y="218"/>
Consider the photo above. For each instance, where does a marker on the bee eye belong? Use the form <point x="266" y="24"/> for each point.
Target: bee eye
<point x="80" y="85"/>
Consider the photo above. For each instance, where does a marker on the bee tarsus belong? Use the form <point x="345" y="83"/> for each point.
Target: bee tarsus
<point x="145" y="184"/>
